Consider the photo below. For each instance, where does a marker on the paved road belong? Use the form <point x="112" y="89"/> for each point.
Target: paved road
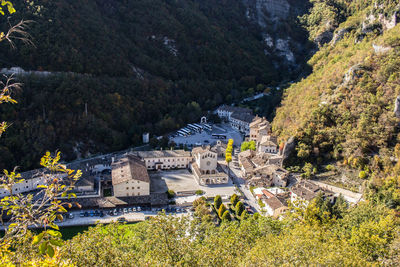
<point x="236" y="176"/>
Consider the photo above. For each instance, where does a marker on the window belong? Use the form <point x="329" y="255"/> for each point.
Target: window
<point x="138" y="193"/>
<point x="133" y="187"/>
<point x="138" y="187"/>
<point x="127" y="188"/>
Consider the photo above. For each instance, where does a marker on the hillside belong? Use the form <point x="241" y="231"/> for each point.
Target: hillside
<point x="344" y="110"/>
<point x="137" y="66"/>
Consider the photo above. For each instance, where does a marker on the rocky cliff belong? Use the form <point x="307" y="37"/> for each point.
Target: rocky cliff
<point x="282" y="35"/>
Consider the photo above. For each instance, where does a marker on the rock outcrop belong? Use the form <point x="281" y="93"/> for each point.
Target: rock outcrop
<point x="290" y="145"/>
<point x="397" y="107"/>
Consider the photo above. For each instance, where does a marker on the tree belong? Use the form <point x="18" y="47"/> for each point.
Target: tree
<point x="362" y="175"/>
<point x="248" y="146"/>
<point x="221" y="210"/>
<point x="226" y="216"/>
<point x="308" y="170"/>
<point x="234" y="200"/>
<point x="244" y="216"/>
<point x="217" y="202"/>
<point x="239" y="208"/>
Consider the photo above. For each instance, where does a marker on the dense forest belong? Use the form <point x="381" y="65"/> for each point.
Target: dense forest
<point x="134" y="66"/>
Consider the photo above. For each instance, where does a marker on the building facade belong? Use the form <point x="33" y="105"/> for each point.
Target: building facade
<point x="130" y="177"/>
<point x="165" y="159"/>
<point x="205" y="167"/>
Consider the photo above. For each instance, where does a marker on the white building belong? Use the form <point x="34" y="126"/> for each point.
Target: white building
<point x="205" y="167"/>
<point x="165" y="159"/>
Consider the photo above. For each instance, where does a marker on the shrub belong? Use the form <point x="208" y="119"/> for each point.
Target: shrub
<point x="199" y="192"/>
<point x="217" y="201"/>
<point x="239" y="208"/>
<point x="226" y="216"/>
<point x="362" y="175"/>
<point x="221" y="210"/>
<point x="234" y="199"/>
<point x="170" y="193"/>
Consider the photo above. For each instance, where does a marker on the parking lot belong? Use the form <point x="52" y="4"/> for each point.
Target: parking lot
<point x="183" y="180"/>
<point x="205" y="137"/>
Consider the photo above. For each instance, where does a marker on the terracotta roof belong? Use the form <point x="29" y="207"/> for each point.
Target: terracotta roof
<point x="267" y="193"/>
<point x="129" y="168"/>
<point x="308" y="190"/>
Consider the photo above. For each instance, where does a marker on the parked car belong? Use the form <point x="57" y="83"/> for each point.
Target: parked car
<point x="139" y="209"/>
<point x="125" y="210"/>
<point x="86" y="214"/>
<point x="133" y="209"/>
<point x="121" y="219"/>
<point x="96" y="213"/>
<point x="115" y="213"/>
<point x="101" y="213"/>
<point x="71" y="216"/>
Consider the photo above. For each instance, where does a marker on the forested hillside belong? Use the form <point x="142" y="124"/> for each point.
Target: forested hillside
<point x="344" y="111"/>
<point x="136" y="65"/>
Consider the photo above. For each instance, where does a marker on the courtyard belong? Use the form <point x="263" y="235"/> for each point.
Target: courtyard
<point x="181" y="181"/>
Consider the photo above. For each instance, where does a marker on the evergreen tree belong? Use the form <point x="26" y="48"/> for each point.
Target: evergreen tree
<point x="217" y="201"/>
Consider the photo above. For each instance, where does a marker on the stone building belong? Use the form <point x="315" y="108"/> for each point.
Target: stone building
<point x="205" y="167"/>
<point x="165" y="159"/>
<point x="130" y="177"/>
<point x="225" y="111"/>
<point x="259" y="126"/>
<point x="241" y="122"/>
<point x="307" y="191"/>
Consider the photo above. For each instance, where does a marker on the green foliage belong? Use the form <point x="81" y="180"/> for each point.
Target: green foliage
<point x="221" y="210"/>
<point x="362" y="175"/>
<point x="170" y="193"/>
<point x="226" y="217"/>
<point x="308" y="170"/>
<point x="166" y="240"/>
<point x="217" y="202"/>
<point x="239" y="208"/>
<point x="234" y="200"/>
<point x="248" y="146"/>
<point x="199" y="192"/>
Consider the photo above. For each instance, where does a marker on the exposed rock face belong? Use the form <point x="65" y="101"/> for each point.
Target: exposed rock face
<point x="381" y="49"/>
<point x="271" y="15"/>
<point x="352" y="73"/>
<point x="323" y="38"/>
<point x="340" y="34"/>
<point x="290" y="145"/>
<point x="397" y="107"/>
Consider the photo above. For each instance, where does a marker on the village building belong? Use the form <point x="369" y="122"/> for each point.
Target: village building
<point x="276" y="205"/>
<point x="130" y="177"/>
<point x="220" y="149"/>
<point x="225" y="111"/>
<point x="241" y="122"/>
<point x="268" y="144"/>
<point x="205" y="167"/>
<point x="267" y="176"/>
<point x="307" y="191"/>
<point x="259" y="126"/>
<point x="165" y="159"/>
